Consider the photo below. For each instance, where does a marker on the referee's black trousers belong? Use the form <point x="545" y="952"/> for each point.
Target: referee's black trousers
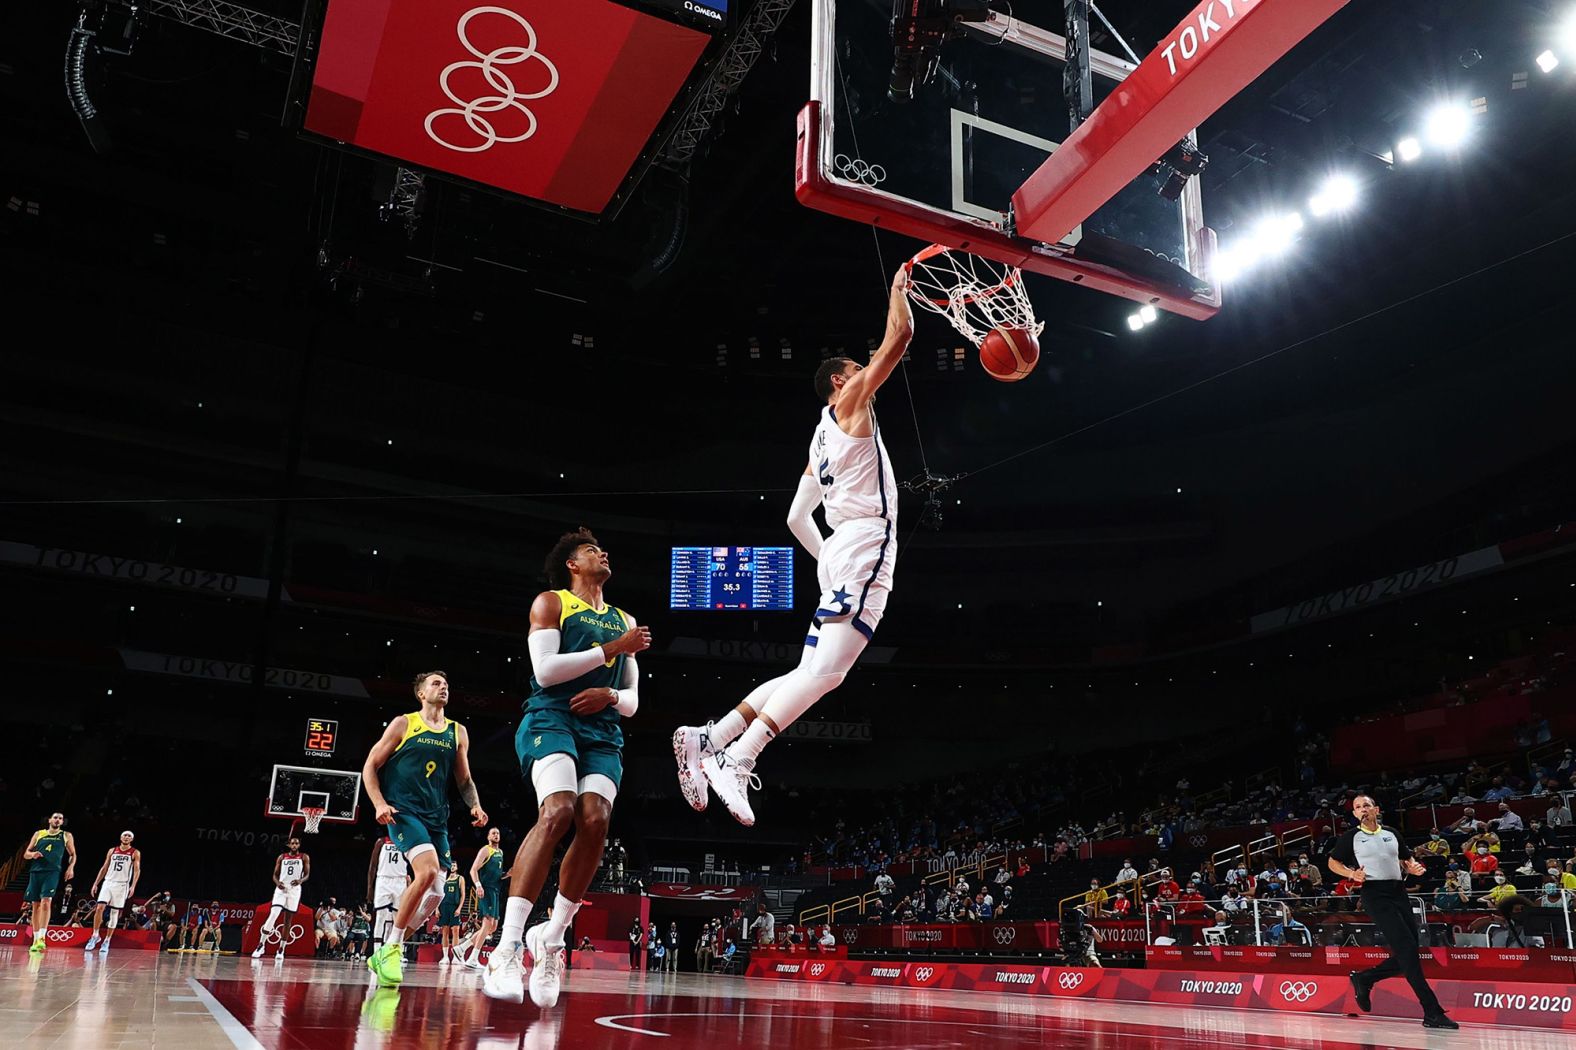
<point x="1387" y="904"/>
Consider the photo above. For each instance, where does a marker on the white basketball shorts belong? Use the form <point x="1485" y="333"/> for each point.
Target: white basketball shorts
<point x="386" y="893"/>
<point x="288" y="899"/>
<point x="855" y="573"/>
<point x="114" y="894"/>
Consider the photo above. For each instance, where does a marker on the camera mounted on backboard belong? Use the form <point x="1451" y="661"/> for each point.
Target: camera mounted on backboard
<point x="919" y="29"/>
<point x="1181" y="162"/>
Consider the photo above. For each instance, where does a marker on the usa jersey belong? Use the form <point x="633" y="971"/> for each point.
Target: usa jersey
<point x="855" y="473"/>
<point x="391" y="863"/>
<point x="291" y="867"/>
<point x="119" y="866"/>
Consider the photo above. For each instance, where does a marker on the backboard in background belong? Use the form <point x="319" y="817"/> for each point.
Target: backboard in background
<point x="336" y="791"/>
<point x="944" y="166"/>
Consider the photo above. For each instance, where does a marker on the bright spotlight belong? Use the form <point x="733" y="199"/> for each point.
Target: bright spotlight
<point x="1275" y="235"/>
<point x="1447" y="125"/>
<point x="1547" y="61"/>
<point x="1408" y="150"/>
<point x="1338" y="194"/>
<point x="1135" y="321"/>
<point x="1148" y="313"/>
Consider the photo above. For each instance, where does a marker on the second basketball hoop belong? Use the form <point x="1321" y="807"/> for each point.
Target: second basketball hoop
<point x="983" y="300"/>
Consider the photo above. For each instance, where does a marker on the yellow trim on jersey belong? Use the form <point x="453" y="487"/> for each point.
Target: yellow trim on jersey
<point x="569" y="604"/>
<point x="415" y="726"/>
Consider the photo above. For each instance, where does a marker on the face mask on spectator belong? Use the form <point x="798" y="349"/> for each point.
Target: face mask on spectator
<point x="1499" y="879"/>
<point x="1551" y="888"/>
<point x="1434" y="836"/>
<point x="1482" y="851"/>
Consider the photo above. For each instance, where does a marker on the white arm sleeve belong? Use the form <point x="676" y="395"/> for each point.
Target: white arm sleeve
<point x="554" y="668"/>
<point x="629" y="689"/>
<point x="805" y="499"/>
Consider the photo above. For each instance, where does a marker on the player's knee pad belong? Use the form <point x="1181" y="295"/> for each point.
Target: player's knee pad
<point x="114" y="918"/>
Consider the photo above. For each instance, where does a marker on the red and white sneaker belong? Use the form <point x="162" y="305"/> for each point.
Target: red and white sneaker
<point x="731" y="778"/>
<point x="691" y="747"/>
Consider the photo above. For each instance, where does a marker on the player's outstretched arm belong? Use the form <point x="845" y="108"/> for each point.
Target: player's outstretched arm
<point x="862" y="386"/>
<point x="375" y="758"/>
<point x="463" y="781"/>
<point x="801" y="513"/>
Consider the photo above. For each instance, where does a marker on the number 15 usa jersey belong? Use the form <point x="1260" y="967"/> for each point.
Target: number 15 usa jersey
<point x="416" y="776"/>
<point x="855" y="473"/>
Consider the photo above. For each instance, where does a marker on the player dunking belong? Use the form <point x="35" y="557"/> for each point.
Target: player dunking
<point x="850" y="474"/>
<point x="50" y="850"/>
<point x="113" y="886"/>
<point x="570" y="744"/>
<point x="487" y="877"/>
<point x="449" y="913"/>
<point x="291" y="869"/>
<point x="387" y="878"/>
<point x="414" y="758"/>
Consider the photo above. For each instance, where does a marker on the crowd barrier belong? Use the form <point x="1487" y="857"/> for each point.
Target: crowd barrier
<point x="77" y="936"/>
<point x="1491" y="1001"/>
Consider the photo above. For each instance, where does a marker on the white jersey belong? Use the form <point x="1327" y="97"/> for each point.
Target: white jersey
<point x="119" y="867"/>
<point x="391" y="863"/>
<point x="855" y="473"/>
<point x="290" y="869"/>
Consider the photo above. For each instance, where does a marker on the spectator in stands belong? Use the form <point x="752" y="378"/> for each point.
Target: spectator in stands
<point x="1436" y="846"/>
<point x="1467" y="825"/>
<point x="1127" y="873"/>
<point x="1508" y="819"/>
<point x="1483" y="839"/>
<point x="984" y="906"/>
<point x="1461" y="796"/>
<point x="1499" y="791"/>
<point x="360" y="932"/>
<point x="1483" y="862"/>
<point x="1272" y="881"/>
<point x="1553" y="896"/>
<point x="1234" y="901"/>
<point x="885" y="884"/>
<point x="1557" y="874"/>
<point x="1191" y="903"/>
<point x="1529" y="861"/>
<point x="1559" y="814"/>
<point x="876" y="914"/>
<point x="1095" y="900"/>
<point x="1463" y="875"/>
<point x="1286" y="929"/>
<point x="1308" y="881"/>
<point x="327" y="931"/>
<point x="1222" y="926"/>
<point x="1501" y="891"/>
<point x="826" y="942"/>
<point x="1238" y="877"/>
<point x="1450" y="896"/>
<point x="1166" y="887"/>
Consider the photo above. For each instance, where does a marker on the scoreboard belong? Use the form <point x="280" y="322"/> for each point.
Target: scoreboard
<point x="732" y="578"/>
<point x="321" y="735"/>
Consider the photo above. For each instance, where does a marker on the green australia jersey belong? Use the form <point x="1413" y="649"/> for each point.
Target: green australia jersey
<point x="581" y="627"/>
<point x="415" y="779"/>
<point x="451" y="891"/>
<point x="52" y="844"/>
<point x="492" y="868"/>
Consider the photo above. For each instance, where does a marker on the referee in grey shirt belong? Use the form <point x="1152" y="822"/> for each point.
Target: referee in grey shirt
<point x="1374" y="857"/>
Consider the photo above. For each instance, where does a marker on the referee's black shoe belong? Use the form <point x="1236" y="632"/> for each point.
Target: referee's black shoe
<point x="1439" y="1021"/>
<point x="1361" y="990"/>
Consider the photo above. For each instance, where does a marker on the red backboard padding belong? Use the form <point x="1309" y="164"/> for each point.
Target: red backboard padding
<point x="559" y="118"/>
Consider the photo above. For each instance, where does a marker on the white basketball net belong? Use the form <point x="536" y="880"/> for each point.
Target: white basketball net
<point x="312" y="819"/>
<point x="975" y="294"/>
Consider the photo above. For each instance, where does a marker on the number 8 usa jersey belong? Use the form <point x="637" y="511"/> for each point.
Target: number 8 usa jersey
<point x="416" y="777"/>
<point x="855" y="473"/>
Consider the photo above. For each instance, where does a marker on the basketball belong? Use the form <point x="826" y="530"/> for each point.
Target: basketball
<point x="1009" y="354"/>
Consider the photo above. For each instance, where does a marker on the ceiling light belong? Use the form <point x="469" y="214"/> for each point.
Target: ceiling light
<point x="1275" y="235"/>
<point x="1338" y="194"/>
<point x="1547" y="61"/>
<point x="1408" y="149"/>
<point x="1148" y="313"/>
<point x="1448" y="125"/>
<point x="1135" y="322"/>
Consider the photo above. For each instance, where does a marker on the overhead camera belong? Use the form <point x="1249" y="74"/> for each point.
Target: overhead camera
<point x="919" y="29"/>
<point x="1182" y="162"/>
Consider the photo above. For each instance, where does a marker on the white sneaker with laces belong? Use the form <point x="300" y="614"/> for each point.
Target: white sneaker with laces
<point x="691" y="747"/>
<point x="104" y="947"/>
<point x="473" y="961"/>
<point x="92" y="943"/>
<point x="731" y="778"/>
<point x="547" y="966"/>
<point x="504" y="977"/>
<point x="261" y="948"/>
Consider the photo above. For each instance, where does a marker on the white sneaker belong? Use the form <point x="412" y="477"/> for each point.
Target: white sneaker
<point x="731" y="779"/>
<point x="691" y="746"/>
<point x="474" y="961"/>
<point x="279" y="956"/>
<point x="547" y="966"/>
<point x="261" y="948"/>
<point x="92" y="943"/>
<point x="504" y="977"/>
<point x="104" y="947"/>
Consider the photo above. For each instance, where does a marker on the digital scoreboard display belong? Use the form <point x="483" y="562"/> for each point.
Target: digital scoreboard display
<point x="732" y="578"/>
<point x="321" y="735"/>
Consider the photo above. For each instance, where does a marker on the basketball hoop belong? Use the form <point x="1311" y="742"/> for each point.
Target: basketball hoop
<point x="312" y="818"/>
<point x="975" y="294"/>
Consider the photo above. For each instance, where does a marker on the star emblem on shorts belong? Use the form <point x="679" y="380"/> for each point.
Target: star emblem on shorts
<point x="841" y="597"/>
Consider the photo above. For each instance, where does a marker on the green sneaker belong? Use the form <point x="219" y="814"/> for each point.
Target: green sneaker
<point x="38" y="945"/>
<point x="388" y="962"/>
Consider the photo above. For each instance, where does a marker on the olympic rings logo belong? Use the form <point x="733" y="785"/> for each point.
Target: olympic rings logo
<point x="856" y="170"/>
<point x="1005" y="934"/>
<point x="1070" y="981"/>
<point x="852" y="936"/>
<point x="284" y="936"/>
<point x="57" y="935"/>
<point x="475" y="111"/>
<point x="817" y="969"/>
<point x="1298" y="991"/>
<point x="924" y="973"/>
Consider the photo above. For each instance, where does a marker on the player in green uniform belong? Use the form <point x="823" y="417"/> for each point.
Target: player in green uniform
<point x="406" y="776"/>
<point x="449" y="912"/>
<point x="50" y="849"/>
<point x="570" y="744"/>
<point x="487" y="878"/>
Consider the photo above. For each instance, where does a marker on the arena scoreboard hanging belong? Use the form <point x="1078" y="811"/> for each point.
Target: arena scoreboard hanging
<point x="731" y="578"/>
<point x="321" y="735"/>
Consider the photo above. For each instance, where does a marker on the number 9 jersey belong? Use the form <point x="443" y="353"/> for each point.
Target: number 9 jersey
<point x="415" y="779"/>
